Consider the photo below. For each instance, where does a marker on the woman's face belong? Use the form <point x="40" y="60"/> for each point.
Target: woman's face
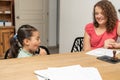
<point x="99" y="16"/>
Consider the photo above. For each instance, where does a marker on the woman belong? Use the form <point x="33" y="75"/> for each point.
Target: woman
<point x="105" y="27"/>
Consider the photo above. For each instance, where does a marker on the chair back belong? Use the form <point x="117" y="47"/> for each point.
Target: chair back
<point x="7" y="53"/>
<point x="77" y="45"/>
<point x="45" y="48"/>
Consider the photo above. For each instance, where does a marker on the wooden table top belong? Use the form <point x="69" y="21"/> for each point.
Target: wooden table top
<point x="23" y="68"/>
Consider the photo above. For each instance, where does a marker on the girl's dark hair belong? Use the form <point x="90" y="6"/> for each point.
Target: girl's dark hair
<point x="109" y="12"/>
<point x="24" y="32"/>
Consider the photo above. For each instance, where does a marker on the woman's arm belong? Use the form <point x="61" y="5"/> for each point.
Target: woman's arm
<point x="118" y="30"/>
<point x="117" y="44"/>
<point x="110" y="43"/>
<point x="86" y="42"/>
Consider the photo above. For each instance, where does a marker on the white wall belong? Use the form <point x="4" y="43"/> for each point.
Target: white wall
<point x="52" y="22"/>
<point x="74" y="15"/>
<point x="116" y="3"/>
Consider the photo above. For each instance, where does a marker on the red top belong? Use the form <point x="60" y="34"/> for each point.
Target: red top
<point x="97" y="41"/>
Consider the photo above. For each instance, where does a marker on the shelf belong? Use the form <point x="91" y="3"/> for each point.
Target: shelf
<point x="6" y="24"/>
<point x="6" y="12"/>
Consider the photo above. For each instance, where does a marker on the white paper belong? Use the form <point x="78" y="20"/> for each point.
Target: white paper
<point x="42" y="73"/>
<point x="102" y="52"/>
<point x="74" y="72"/>
<point x="1" y="24"/>
<point x="8" y="23"/>
<point x="40" y="78"/>
<point x="46" y="72"/>
<point x="7" y="12"/>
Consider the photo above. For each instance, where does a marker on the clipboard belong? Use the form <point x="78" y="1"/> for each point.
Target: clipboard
<point x="108" y="59"/>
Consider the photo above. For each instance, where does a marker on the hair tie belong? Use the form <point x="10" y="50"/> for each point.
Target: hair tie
<point x="15" y="36"/>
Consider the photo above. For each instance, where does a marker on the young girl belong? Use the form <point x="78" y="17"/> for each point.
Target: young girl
<point x="25" y="42"/>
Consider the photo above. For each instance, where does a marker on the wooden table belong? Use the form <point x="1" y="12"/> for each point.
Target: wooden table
<point x="23" y="68"/>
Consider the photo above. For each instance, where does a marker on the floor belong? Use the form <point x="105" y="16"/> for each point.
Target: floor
<point x="53" y="50"/>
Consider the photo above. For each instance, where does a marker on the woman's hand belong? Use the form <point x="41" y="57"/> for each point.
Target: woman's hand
<point x="115" y="45"/>
<point x="109" y="43"/>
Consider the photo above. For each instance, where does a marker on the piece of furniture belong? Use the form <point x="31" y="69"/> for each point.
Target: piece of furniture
<point x="23" y="68"/>
<point x="6" y="54"/>
<point x="5" y="34"/>
<point x="6" y="24"/>
<point x="119" y="10"/>
<point x="6" y="13"/>
<point x="45" y="48"/>
<point x="37" y="52"/>
<point x="77" y="45"/>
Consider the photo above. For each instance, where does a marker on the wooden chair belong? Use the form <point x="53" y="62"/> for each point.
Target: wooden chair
<point x="77" y="45"/>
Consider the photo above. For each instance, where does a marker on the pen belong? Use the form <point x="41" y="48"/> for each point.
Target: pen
<point x="42" y="77"/>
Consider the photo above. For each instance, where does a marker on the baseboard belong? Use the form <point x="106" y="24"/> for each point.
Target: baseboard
<point x="52" y="47"/>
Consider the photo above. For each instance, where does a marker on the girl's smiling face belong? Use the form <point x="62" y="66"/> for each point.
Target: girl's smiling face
<point x="34" y="42"/>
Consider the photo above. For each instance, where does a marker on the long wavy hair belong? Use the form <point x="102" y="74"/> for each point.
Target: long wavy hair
<point x="109" y="12"/>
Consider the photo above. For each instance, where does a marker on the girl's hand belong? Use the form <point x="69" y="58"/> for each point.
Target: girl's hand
<point x="42" y="52"/>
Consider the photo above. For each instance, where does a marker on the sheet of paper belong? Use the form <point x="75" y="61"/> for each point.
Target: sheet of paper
<point x="102" y="52"/>
<point x="45" y="72"/>
<point x="40" y="78"/>
<point x="74" y="74"/>
<point x="70" y="73"/>
<point x="40" y="73"/>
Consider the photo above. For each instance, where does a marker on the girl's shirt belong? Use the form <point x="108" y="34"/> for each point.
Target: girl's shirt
<point x="23" y="53"/>
<point x="97" y="41"/>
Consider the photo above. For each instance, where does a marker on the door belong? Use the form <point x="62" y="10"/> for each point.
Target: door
<point x="35" y="13"/>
